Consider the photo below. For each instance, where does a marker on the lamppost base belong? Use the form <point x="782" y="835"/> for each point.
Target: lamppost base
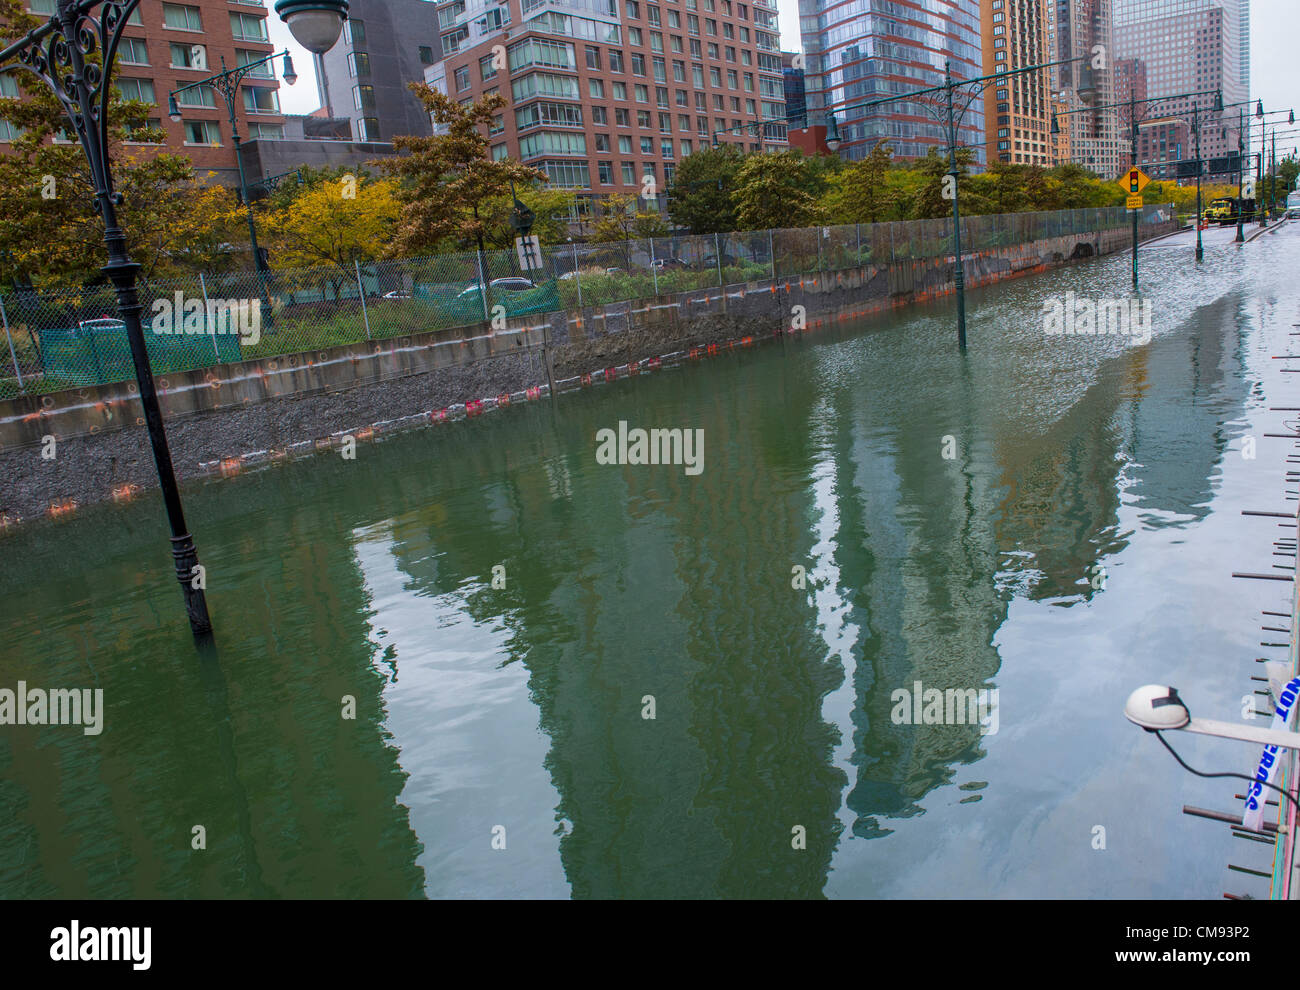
<point x="192" y="580"/>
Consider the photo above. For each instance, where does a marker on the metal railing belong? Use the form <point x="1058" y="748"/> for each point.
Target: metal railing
<point x="56" y="340"/>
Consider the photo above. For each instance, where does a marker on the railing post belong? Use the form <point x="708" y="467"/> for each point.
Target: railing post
<point x="4" y="318"/>
<point x="771" y="250"/>
<point x="207" y="309"/>
<point x="361" y="288"/>
<point x="717" y="250"/>
<point x="577" y="275"/>
<point x="654" y="271"/>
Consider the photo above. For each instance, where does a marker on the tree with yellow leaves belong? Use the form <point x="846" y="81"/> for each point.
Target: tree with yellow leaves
<point x="336" y="221"/>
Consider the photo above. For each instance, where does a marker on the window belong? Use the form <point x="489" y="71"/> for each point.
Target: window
<point x="624" y="144"/>
<point x="260" y="99"/>
<point x="359" y="65"/>
<point x="552" y="143"/>
<point x="181" y="18"/>
<point x="677" y="44"/>
<point x="665" y="123"/>
<point x="497" y="126"/>
<point x="265" y="132"/>
<point x="137" y="133"/>
<point x="552" y="54"/>
<point x="129" y="89"/>
<point x="633" y="9"/>
<point x="715" y="78"/>
<point x="622" y="118"/>
<point x="620" y="90"/>
<point x="500" y="152"/>
<point x="710" y="26"/>
<point x="202" y="132"/>
<point x="462" y="78"/>
<point x="642" y="93"/>
<point x="354" y="31"/>
<point x="596" y="89"/>
<point x="634" y="37"/>
<point x="697" y="76"/>
<point x="660" y="72"/>
<point x="683" y="98"/>
<point x="666" y="148"/>
<point x="189" y="56"/>
<point x="732" y="79"/>
<point x="363" y="97"/>
<point x="544" y="84"/>
<point x="615" y="60"/>
<point x="679" y="71"/>
<point x="244" y="57"/>
<point x="567" y="175"/>
<point x="426" y="55"/>
<point x="731" y="54"/>
<point x="647" y="146"/>
<point x="638" y="64"/>
<point x="132" y="51"/>
<point x="602" y="143"/>
<point x="629" y="174"/>
<point x="652" y="15"/>
<point x="247" y="27"/>
<point x="643" y="118"/>
<point x="593" y="57"/>
<point x="605" y="172"/>
<point x="674" y="19"/>
<point x="599" y="115"/>
<point x="684" y="122"/>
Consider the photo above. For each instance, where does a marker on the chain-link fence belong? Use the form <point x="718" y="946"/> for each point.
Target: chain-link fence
<point x="64" y="339"/>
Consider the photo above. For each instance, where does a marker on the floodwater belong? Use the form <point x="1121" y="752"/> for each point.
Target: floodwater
<point x="1051" y="520"/>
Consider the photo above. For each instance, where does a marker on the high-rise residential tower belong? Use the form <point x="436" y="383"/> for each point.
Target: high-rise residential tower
<point x="602" y="95"/>
<point x="1017" y="111"/>
<point x="858" y="52"/>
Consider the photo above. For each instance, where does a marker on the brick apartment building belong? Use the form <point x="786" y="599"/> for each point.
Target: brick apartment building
<point x="1017" y="112"/>
<point x="169" y="45"/>
<point x="602" y="93"/>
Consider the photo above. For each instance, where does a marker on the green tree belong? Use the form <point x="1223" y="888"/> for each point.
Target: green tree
<point x="929" y="201"/>
<point x="861" y="192"/>
<point x="777" y="189"/>
<point x="700" y="197"/>
<point x="446" y="178"/>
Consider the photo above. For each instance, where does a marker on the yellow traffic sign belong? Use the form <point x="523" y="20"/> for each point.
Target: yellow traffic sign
<point x="1133" y="202"/>
<point x="1134" y="180"/>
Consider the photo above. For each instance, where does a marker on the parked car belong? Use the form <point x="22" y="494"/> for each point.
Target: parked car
<point x="665" y="264"/>
<point x="513" y="283"/>
<point x="1293" y="204"/>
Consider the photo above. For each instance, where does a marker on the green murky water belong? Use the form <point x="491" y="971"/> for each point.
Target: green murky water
<point x="515" y="716"/>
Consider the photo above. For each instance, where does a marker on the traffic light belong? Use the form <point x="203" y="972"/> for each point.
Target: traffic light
<point x="1133" y="181"/>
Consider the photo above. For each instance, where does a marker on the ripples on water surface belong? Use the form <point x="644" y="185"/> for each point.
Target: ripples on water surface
<point x="522" y="707"/>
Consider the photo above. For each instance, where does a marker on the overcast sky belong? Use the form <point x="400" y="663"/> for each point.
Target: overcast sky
<point x="1274" y="30"/>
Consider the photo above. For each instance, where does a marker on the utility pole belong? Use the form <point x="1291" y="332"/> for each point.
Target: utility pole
<point x="959" y="273"/>
<point x="1133" y="138"/>
<point x="1241" y="165"/>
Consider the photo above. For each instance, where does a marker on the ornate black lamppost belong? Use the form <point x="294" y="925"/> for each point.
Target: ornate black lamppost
<point x="73" y="53"/>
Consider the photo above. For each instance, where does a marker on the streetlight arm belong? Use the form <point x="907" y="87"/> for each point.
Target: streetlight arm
<point x="227" y="82"/>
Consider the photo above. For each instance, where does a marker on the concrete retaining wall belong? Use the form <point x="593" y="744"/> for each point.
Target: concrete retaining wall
<point x="240" y="413"/>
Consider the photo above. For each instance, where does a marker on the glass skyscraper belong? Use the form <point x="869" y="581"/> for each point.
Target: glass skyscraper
<point x="866" y="50"/>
